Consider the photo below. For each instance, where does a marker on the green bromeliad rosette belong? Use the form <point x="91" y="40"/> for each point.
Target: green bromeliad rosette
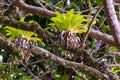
<point x="68" y="25"/>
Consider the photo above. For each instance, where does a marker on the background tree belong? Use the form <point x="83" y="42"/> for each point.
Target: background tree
<point x="59" y="40"/>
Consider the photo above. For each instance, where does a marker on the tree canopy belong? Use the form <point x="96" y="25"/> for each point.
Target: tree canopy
<point x="59" y="40"/>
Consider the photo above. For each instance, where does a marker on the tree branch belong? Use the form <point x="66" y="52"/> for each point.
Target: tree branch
<point x="89" y="60"/>
<point x="92" y="33"/>
<point x="42" y="52"/>
<point x="66" y="63"/>
<point x="6" y="43"/>
<point x="45" y="35"/>
<point x="34" y="27"/>
<point x="113" y="21"/>
<point x="102" y="36"/>
<point x="34" y="10"/>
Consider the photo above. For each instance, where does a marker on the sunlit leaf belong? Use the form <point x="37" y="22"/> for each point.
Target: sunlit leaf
<point x="14" y="33"/>
<point x="0" y="26"/>
<point x="70" y="22"/>
<point x="22" y="19"/>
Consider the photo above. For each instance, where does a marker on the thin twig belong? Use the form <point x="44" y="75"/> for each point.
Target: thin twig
<point x="38" y="2"/>
<point x="83" y="11"/>
<point x="36" y="62"/>
<point x="102" y="22"/>
<point x="53" y="7"/>
<point x="1" y="4"/>
<point x="112" y="65"/>
<point x="62" y="1"/>
<point x="114" y="53"/>
<point x="89" y="27"/>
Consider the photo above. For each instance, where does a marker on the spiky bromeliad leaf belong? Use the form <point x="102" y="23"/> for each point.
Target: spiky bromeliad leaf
<point x="14" y="33"/>
<point x="70" y="22"/>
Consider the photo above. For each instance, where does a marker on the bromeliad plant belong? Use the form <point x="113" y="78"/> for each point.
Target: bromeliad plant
<point x="68" y="25"/>
<point x="14" y="33"/>
<point x="23" y="39"/>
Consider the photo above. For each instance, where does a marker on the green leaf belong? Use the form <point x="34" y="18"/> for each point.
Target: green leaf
<point x="64" y="77"/>
<point x="26" y="78"/>
<point x="14" y="33"/>
<point x="82" y="31"/>
<point x="112" y="48"/>
<point x="69" y="21"/>
<point x="93" y="11"/>
<point x="0" y="26"/>
<point x="2" y="67"/>
<point x="117" y="71"/>
<point x="35" y="39"/>
<point x="22" y="19"/>
<point x="40" y="43"/>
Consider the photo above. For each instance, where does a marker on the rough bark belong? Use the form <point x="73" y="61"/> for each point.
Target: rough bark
<point x="113" y="21"/>
<point x="34" y="10"/>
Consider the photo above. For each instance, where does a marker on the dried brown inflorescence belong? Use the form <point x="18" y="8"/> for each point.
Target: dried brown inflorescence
<point x="25" y="45"/>
<point x="68" y="39"/>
